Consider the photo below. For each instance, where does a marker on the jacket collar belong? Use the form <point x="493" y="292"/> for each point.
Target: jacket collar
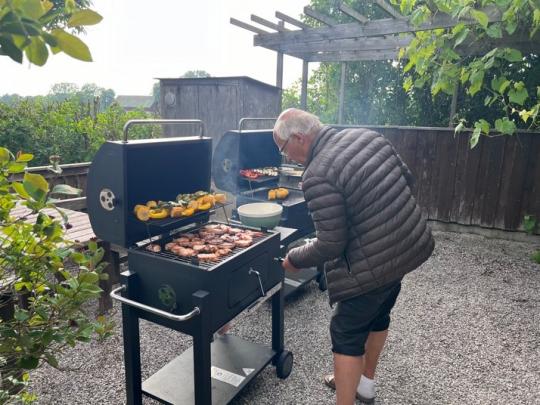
<point x="318" y="143"/>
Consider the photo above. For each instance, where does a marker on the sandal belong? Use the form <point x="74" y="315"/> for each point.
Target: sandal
<point x="329" y="381"/>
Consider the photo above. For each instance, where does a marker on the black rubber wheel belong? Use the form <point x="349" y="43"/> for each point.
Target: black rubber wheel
<point x="322" y="284"/>
<point x="284" y="364"/>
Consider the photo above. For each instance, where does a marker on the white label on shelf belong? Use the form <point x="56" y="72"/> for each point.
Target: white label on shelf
<point x="248" y="371"/>
<point x="226" y="376"/>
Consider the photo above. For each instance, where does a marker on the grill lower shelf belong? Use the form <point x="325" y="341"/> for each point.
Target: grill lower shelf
<point x="173" y="384"/>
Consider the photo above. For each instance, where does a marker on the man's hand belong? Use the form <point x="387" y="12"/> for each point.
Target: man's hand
<point x="287" y="265"/>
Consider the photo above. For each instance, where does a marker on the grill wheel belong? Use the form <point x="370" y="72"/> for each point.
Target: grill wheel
<point x="284" y="364"/>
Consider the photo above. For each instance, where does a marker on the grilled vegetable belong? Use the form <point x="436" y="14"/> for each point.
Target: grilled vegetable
<point x="177" y="212"/>
<point x="193" y="204"/>
<point x="151" y="204"/>
<point x="220" y="198"/>
<point x="136" y="208"/>
<point x="204" y="207"/>
<point x="282" y="193"/>
<point x="143" y="213"/>
<point x="159" y="213"/>
<point x="188" y="212"/>
<point x="272" y="194"/>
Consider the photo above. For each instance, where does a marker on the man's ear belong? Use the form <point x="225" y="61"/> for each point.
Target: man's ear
<point x="299" y="138"/>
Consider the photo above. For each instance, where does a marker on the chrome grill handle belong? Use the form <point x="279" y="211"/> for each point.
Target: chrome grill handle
<point x="179" y="318"/>
<point x="252" y="271"/>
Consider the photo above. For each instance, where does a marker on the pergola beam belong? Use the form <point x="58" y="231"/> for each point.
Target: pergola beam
<point x="388" y="8"/>
<point x="269" y="24"/>
<point x="291" y="20"/>
<point x="351" y="12"/>
<point x="362" y="44"/>
<point x="388" y="26"/>
<point x="247" y="26"/>
<point x="346" y="56"/>
<point x="320" y="16"/>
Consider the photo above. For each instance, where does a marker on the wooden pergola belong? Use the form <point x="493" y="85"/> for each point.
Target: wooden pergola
<point x="360" y="40"/>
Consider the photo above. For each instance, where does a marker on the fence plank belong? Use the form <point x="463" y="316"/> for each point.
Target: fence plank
<point x="460" y="178"/>
<point x="447" y="148"/>
<point x="531" y="195"/>
<point x="512" y="182"/>
<point x="492" y="180"/>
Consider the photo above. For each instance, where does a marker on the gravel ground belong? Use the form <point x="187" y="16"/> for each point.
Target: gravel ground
<point x="465" y="330"/>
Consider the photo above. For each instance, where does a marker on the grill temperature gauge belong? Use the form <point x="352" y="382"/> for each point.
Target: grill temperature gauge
<point x="107" y="199"/>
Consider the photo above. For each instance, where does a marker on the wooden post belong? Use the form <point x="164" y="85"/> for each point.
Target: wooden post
<point x="453" y="105"/>
<point x="279" y="72"/>
<point x="303" y="94"/>
<point x="342" y="92"/>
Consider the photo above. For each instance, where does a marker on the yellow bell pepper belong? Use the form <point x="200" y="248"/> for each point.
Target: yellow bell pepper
<point x="136" y="208"/>
<point x="143" y="213"/>
<point x="159" y="213"/>
<point x="204" y="207"/>
<point x="188" y="212"/>
<point x="193" y="204"/>
<point x="271" y="194"/>
<point x="151" y="204"/>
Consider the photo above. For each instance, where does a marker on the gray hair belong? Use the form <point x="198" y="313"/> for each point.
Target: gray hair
<point x="295" y="121"/>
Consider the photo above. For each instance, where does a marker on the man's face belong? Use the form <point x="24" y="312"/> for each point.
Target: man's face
<point x="292" y="148"/>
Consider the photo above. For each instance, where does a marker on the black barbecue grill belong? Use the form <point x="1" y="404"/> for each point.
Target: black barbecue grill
<point x="253" y="149"/>
<point x="191" y="296"/>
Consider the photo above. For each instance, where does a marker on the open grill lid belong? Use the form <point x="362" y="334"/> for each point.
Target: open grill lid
<point x="124" y="174"/>
<point x="239" y="150"/>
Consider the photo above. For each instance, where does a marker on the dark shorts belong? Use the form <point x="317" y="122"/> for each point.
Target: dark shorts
<point x="354" y="318"/>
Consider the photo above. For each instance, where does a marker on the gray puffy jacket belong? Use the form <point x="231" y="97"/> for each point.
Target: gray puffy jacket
<point x="370" y="230"/>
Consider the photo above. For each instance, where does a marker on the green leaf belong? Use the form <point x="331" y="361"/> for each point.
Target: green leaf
<point x="500" y="84"/>
<point x="32" y="8"/>
<point x="29" y="362"/>
<point x="84" y="17"/>
<point x="66" y="189"/>
<point x="512" y="55"/>
<point x="476" y="80"/>
<point x="19" y="189"/>
<point x="460" y="127"/>
<point x="90" y="277"/>
<point x="494" y="31"/>
<point x="36" y="186"/>
<point x="518" y="95"/>
<point x="72" y="45"/>
<point x="407" y="84"/>
<point x="481" y="17"/>
<point x="51" y="360"/>
<point x="8" y="48"/>
<point x="536" y="256"/>
<point x="92" y="246"/>
<point x="21" y="315"/>
<point x="25" y="157"/>
<point x="461" y="37"/>
<point x="526" y="114"/>
<point x="475" y="137"/>
<point x="484" y="126"/>
<point x="505" y="126"/>
<point x="16" y="167"/>
<point x="4" y="155"/>
<point x="37" y="52"/>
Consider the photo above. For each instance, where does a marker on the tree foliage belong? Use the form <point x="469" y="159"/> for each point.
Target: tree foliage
<point x="506" y="77"/>
<point x="72" y="128"/>
<point x="36" y="28"/>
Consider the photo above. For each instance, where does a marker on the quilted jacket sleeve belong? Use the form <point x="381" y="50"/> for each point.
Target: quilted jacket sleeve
<point x="327" y="207"/>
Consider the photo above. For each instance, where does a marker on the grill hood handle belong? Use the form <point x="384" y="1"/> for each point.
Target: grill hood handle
<point x="244" y="120"/>
<point x="179" y="318"/>
<point x="130" y="123"/>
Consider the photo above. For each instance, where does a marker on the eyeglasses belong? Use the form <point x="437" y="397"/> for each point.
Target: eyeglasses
<point x="281" y="150"/>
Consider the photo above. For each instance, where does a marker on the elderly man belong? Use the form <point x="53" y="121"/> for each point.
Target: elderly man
<point x="369" y="233"/>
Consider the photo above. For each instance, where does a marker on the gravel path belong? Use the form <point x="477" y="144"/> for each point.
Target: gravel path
<point x="465" y="331"/>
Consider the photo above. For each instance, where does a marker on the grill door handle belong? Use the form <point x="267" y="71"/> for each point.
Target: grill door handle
<point x="243" y="120"/>
<point x="130" y="123"/>
<point x="179" y="318"/>
<point x="250" y="272"/>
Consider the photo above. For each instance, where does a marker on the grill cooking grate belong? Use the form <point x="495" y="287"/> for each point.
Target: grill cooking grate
<point x="205" y="265"/>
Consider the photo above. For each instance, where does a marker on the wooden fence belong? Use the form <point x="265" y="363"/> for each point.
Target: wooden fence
<point x="493" y="185"/>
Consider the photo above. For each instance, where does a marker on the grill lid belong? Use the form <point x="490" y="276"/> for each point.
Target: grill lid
<point x="239" y="150"/>
<point x="124" y="174"/>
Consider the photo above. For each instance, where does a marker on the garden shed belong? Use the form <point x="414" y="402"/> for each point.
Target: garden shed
<point x="220" y="102"/>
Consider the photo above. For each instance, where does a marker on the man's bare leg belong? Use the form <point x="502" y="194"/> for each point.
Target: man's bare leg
<point x="374" y="346"/>
<point x="347" y="373"/>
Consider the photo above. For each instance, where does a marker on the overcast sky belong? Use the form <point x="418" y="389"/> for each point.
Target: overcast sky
<point x="141" y="40"/>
